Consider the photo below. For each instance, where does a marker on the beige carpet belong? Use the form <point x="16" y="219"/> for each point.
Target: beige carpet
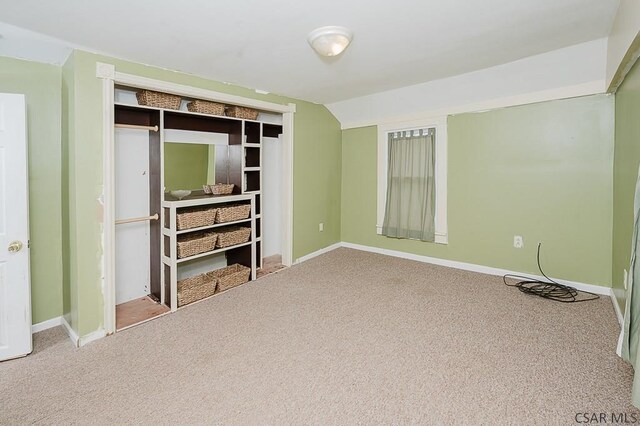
<point x="345" y="338"/>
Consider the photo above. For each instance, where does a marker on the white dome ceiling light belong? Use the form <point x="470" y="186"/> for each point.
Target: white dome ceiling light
<point x="330" y="41"/>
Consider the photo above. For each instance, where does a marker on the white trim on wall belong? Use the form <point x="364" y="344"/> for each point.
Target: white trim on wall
<point x="72" y="334"/>
<point x="287" y="185"/>
<point x="107" y="73"/>
<point x="318" y="253"/>
<point x="616" y="308"/>
<point x="489" y="270"/>
<point x="440" y="124"/>
<point x="45" y="325"/>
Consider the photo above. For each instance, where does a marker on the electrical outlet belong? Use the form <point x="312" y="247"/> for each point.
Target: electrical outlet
<point x="518" y="242"/>
<point x="321" y="227"/>
<point x="626" y="279"/>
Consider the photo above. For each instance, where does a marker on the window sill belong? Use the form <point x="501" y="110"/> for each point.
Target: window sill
<point x="441" y="238"/>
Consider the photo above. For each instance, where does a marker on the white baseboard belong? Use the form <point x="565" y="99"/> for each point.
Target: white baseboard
<point x="77" y="341"/>
<point x="45" y="325"/>
<point x="473" y="267"/>
<point x="98" y="334"/>
<point x="72" y="334"/>
<point x="616" y="308"/>
<point x="317" y="253"/>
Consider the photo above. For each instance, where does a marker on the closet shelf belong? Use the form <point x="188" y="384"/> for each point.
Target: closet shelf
<point x="252" y="169"/>
<point x="179" y="111"/>
<point x="251" y="192"/>
<point x="167" y="260"/>
<point x="202" y="228"/>
<point x="252" y="145"/>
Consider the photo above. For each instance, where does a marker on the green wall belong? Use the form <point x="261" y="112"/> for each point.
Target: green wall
<point x="185" y="165"/>
<point x="543" y="171"/>
<point x="42" y="86"/>
<point x="317" y="176"/>
<point x="625" y="173"/>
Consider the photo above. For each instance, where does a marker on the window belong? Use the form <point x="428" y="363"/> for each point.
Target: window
<point x="439" y="126"/>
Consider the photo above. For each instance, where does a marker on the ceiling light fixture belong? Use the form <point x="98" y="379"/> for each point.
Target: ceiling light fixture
<point x="330" y="41"/>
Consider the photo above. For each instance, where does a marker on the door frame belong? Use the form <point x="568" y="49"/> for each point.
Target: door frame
<point x="110" y="78"/>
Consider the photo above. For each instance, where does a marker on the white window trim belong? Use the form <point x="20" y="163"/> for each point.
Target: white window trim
<point x="440" y="124"/>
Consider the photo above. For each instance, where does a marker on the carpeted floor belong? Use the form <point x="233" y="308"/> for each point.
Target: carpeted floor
<point x="345" y="338"/>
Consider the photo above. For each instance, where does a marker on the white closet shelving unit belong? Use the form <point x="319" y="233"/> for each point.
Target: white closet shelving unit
<point x="241" y="165"/>
<point x="170" y="260"/>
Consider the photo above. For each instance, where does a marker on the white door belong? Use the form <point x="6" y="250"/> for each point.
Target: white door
<point x="15" y="288"/>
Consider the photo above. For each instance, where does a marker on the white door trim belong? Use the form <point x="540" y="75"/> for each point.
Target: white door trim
<point x="110" y="77"/>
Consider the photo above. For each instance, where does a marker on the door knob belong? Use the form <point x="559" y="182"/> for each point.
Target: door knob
<point x="15" y="246"/>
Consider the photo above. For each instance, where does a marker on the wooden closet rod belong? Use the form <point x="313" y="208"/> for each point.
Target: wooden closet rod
<point x="138" y="219"/>
<point x="134" y="126"/>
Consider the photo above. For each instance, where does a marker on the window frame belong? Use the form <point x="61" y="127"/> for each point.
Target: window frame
<point x="440" y="125"/>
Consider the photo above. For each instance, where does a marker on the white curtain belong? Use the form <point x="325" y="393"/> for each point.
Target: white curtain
<point x="410" y="208"/>
<point x="629" y="342"/>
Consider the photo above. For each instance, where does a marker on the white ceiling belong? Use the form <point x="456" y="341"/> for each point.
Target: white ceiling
<point x="262" y="44"/>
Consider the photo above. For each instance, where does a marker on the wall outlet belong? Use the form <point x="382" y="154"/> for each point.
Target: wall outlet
<point x="626" y="279"/>
<point x="321" y="227"/>
<point x="518" y="242"/>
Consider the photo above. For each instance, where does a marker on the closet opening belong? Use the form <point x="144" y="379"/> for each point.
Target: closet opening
<point x="178" y="238"/>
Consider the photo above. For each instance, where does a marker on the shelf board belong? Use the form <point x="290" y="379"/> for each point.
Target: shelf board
<point x="216" y="225"/>
<point x="251" y="192"/>
<point x="144" y="107"/>
<point x="251" y="145"/>
<point x="210" y="253"/>
<point x="213" y="295"/>
<point x="201" y="200"/>
<point x="252" y="169"/>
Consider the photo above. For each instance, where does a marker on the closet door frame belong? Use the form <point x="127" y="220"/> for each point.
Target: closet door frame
<point x="110" y="78"/>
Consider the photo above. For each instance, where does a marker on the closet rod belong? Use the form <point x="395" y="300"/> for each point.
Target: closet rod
<point x="134" y="126"/>
<point x="138" y="219"/>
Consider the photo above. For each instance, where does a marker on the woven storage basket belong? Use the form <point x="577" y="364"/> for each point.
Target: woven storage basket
<point x="242" y="112"/>
<point x="206" y="107"/>
<point x="232" y="236"/>
<point x="221" y="189"/>
<point x="231" y="276"/>
<point x="158" y="99"/>
<point x="233" y="212"/>
<point x="196" y="243"/>
<point x="196" y="288"/>
<point x="196" y="217"/>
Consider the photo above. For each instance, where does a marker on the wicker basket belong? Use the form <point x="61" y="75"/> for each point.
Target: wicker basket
<point x="242" y="112"/>
<point x="220" y="189"/>
<point x="196" y="243"/>
<point x="196" y="288"/>
<point x="232" y="236"/>
<point x="196" y="217"/>
<point x="233" y="212"/>
<point x="206" y="107"/>
<point x="158" y="99"/>
<point x="231" y="276"/>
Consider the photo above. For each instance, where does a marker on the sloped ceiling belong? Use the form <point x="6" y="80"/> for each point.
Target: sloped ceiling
<point x="263" y="45"/>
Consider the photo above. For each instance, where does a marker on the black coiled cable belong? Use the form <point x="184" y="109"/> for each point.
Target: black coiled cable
<point x="547" y="289"/>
